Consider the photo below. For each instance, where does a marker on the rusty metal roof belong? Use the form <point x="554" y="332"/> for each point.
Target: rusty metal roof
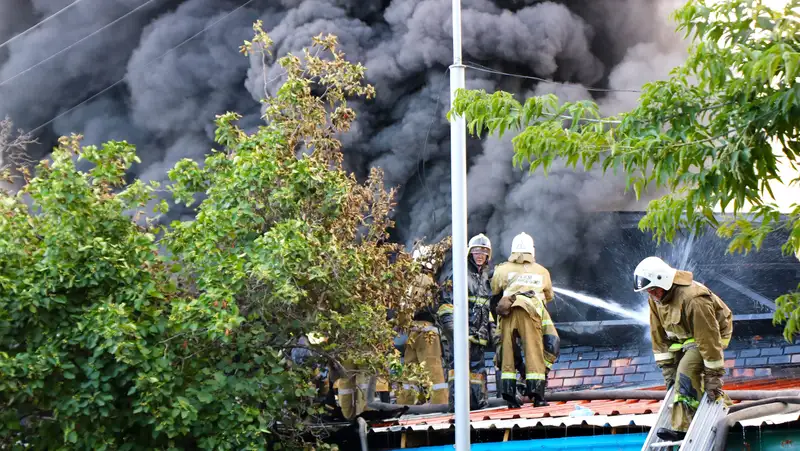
<point x="607" y="413"/>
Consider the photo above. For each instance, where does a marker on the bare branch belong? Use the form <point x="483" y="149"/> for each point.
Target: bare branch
<point x="12" y="146"/>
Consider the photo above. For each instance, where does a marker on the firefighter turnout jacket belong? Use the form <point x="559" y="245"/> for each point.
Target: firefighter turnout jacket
<point x="481" y="329"/>
<point x="424" y="343"/>
<point x="522" y="275"/>
<point x="690" y="314"/>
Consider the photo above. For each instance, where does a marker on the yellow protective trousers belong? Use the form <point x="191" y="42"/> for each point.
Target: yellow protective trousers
<point x="353" y="392"/>
<point x="425" y="345"/>
<point x="529" y="328"/>
<point x="689" y="388"/>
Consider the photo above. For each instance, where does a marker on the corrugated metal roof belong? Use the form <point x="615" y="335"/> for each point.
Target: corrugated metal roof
<point x="607" y="413"/>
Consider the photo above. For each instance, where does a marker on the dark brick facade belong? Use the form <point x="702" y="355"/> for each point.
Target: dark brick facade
<point x="585" y="367"/>
<point x="603" y="368"/>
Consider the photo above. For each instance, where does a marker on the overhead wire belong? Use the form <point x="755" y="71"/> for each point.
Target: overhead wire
<point x="19" y="35"/>
<point x="482" y="68"/>
<point x="423" y="178"/>
<point x="76" y="43"/>
<point x="146" y="65"/>
<point x="422" y="154"/>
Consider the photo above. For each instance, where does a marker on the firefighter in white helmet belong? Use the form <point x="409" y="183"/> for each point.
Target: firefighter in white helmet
<point x="526" y="288"/>
<point x="690" y="326"/>
<point x="424" y="341"/>
<point x="479" y="294"/>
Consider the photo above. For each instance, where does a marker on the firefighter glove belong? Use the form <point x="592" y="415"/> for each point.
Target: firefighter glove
<point x="669" y="372"/>
<point x="712" y="380"/>
<point x="504" y="306"/>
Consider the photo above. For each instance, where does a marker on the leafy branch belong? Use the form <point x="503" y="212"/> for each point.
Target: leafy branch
<point x="706" y="133"/>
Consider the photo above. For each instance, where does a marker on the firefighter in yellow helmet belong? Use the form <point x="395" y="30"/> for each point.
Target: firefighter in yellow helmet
<point x="526" y="288"/>
<point x="480" y="321"/>
<point x="690" y="326"/>
<point x="424" y="341"/>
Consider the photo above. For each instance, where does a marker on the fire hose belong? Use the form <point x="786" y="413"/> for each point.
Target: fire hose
<point x="750" y="410"/>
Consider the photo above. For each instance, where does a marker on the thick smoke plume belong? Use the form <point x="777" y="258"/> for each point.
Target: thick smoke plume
<point x="166" y="103"/>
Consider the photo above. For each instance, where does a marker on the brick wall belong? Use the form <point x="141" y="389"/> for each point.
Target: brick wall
<point x="586" y="367"/>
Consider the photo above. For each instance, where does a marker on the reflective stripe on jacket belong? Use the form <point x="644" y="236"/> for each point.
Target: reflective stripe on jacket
<point x="690" y="315"/>
<point x="523" y="275"/>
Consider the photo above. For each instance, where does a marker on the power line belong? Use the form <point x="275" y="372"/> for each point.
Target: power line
<point x="422" y="176"/>
<point x="76" y="43"/>
<point x="147" y="64"/>
<point x="14" y="38"/>
<point x="481" y="68"/>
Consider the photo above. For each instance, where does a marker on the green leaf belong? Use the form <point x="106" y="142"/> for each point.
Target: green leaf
<point x="205" y="397"/>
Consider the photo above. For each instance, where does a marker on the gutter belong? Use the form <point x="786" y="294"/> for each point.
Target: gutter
<point x="620" y="442"/>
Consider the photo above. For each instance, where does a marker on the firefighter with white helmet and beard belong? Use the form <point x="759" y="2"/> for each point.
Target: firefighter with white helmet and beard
<point x="479" y="293"/>
<point x="690" y="326"/>
<point x="424" y="342"/>
<point x="526" y="288"/>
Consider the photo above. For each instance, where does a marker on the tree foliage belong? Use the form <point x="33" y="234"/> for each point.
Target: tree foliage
<point x="705" y="133"/>
<point x="119" y="333"/>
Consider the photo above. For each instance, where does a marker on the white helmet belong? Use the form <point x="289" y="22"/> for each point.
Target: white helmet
<point x="522" y="244"/>
<point x="653" y="272"/>
<point x="423" y="255"/>
<point x="316" y="338"/>
<point x="480" y="240"/>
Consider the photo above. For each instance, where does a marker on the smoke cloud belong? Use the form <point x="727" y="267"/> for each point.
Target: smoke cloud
<point x="166" y="103"/>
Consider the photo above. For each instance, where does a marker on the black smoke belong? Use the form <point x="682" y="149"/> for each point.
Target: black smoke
<point x="166" y="103"/>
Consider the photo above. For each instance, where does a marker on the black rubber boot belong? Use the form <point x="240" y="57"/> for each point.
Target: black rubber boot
<point x="477" y="400"/>
<point x="669" y="435"/>
<point x="535" y="391"/>
<point x="510" y="393"/>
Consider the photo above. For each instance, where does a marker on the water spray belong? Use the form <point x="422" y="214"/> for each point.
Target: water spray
<point x="641" y="316"/>
<point x="686" y="251"/>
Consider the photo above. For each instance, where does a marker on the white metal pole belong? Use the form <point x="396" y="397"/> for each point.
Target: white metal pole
<point x="458" y="174"/>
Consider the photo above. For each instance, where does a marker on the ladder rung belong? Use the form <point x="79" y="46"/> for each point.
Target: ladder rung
<point x="666" y="444"/>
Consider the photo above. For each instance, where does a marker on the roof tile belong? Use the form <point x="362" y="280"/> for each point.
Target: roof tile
<point x="634" y="378"/>
<point x="599" y="407"/>
<point x="614" y="354"/>
<point x="579" y="364"/>
<point x="757" y="361"/>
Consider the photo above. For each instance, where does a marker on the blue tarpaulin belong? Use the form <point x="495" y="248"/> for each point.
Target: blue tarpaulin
<point x="618" y="442"/>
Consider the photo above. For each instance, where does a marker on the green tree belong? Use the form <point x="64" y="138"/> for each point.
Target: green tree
<point x="705" y="133"/>
<point x="119" y="333"/>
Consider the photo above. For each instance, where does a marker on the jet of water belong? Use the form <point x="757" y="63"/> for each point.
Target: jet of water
<point x="642" y="316"/>
<point x="686" y="251"/>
